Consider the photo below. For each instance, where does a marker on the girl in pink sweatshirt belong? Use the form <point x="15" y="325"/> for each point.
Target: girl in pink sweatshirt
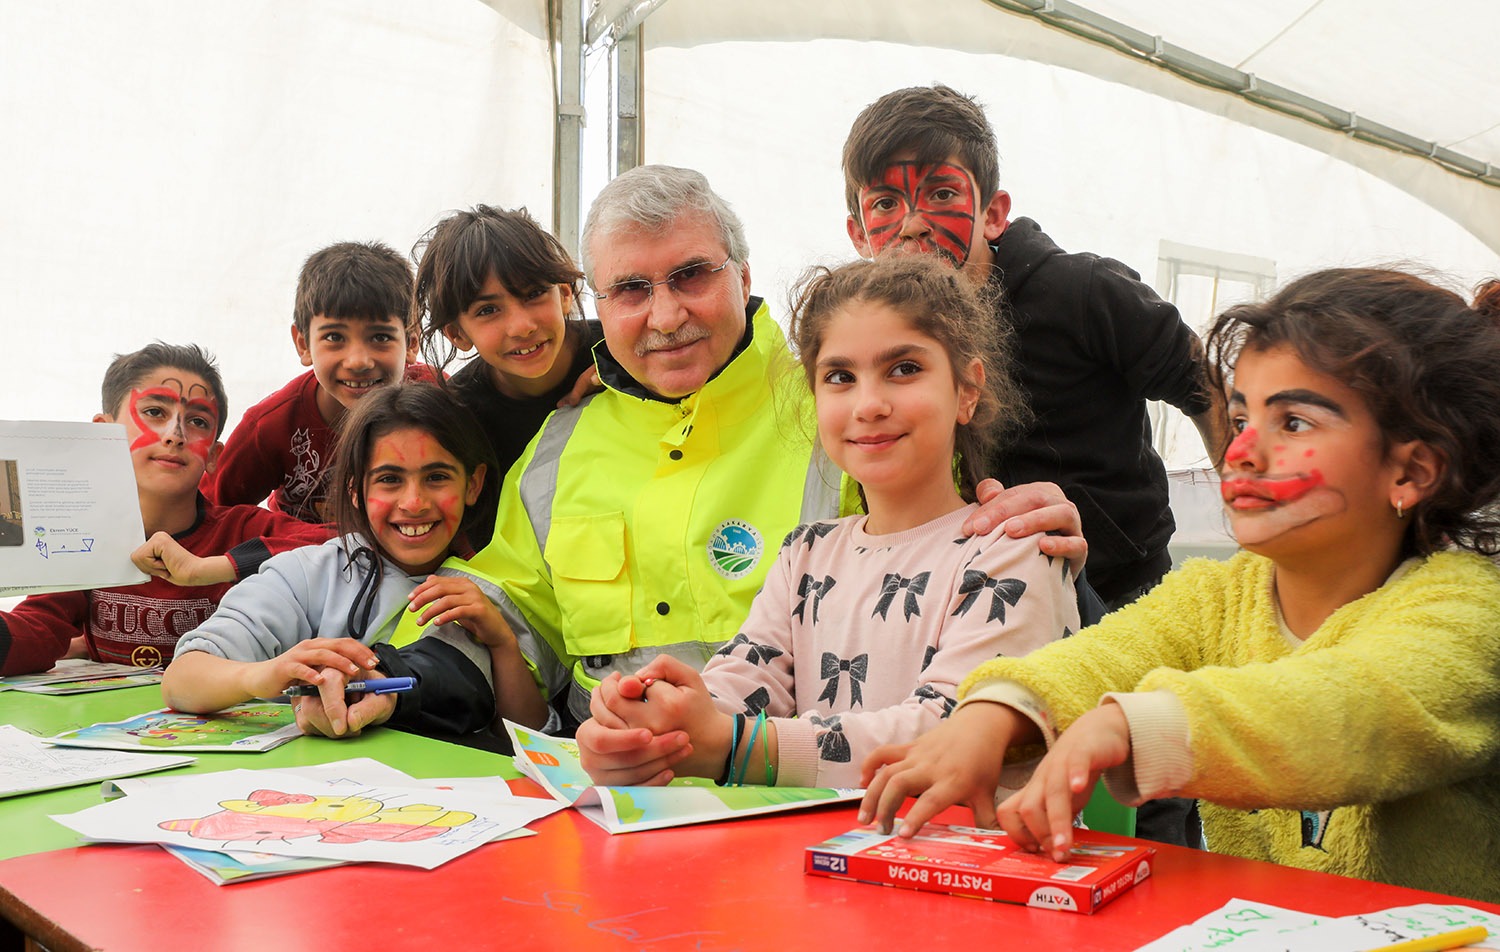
<point x="886" y="611"/>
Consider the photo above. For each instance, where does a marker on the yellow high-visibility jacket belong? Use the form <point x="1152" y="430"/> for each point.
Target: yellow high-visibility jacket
<point x="633" y="526"/>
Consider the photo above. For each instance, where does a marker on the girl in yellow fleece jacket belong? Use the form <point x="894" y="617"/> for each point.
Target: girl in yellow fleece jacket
<point x="1332" y="693"/>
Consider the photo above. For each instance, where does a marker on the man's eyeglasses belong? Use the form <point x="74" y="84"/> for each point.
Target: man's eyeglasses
<point x="630" y="297"/>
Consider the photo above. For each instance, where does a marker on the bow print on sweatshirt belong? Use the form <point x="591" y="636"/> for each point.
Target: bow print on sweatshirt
<point x="811" y="588"/>
<point x="755" y="653"/>
<point x="833" y="746"/>
<point x="808" y="532"/>
<point x="832" y="667"/>
<point x="1003" y="591"/>
<point x="914" y="586"/>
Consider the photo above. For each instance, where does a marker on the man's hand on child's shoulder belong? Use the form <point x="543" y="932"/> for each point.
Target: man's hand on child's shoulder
<point x="1039" y="509"/>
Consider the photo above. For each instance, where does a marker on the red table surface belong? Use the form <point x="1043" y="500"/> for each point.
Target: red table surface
<point x="712" y="888"/>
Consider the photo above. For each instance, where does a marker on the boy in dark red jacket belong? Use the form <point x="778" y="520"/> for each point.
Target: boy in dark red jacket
<point x="171" y="402"/>
<point x="353" y="325"/>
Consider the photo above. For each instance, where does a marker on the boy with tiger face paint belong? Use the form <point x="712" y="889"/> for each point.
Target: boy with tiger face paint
<point x="929" y="208"/>
<point x="1092" y="343"/>
<point x="922" y="174"/>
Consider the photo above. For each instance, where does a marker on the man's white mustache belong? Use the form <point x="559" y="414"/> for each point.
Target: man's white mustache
<point x="683" y="336"/>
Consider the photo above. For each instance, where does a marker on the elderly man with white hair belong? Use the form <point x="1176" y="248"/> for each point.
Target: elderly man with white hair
<point x="643" y="521"/>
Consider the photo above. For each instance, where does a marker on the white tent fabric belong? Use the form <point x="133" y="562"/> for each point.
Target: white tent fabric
<point x="169" y="165"/>
<point x="1424" y="69"/>
<point x="1109" y="154"/>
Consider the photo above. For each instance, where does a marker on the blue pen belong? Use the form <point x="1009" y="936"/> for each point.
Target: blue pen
<point x="372" y="686"/>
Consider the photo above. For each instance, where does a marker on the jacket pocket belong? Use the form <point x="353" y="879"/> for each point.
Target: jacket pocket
<point x="587" y="557"/>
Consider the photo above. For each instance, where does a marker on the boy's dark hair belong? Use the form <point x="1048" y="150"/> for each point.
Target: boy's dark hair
<point x="459" y="254"/>
<point x="358" y="280"/>
<point x="1425" y="364"/>
<point x="941" y="303"/>
<point x="934" y="123"/>
<point x="126" y="371"/>
<point x="421" y="406"/>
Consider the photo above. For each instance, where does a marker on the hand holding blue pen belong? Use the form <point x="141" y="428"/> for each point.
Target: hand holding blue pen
<point x="371" y="686"/>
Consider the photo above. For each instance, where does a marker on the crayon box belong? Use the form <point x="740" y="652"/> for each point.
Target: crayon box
<point x="985" y="864"/>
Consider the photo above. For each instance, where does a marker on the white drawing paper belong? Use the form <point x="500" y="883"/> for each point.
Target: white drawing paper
<point x="292" y="815"/>
<point x="1244" y="926"/>
<point x="28" y="765"/>
<point x="69" y="513"/>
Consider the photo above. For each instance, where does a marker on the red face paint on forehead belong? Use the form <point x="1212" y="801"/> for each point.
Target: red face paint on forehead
<point x="927" y="208"/>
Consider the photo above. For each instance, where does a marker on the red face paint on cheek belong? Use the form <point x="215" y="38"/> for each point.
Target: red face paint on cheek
<point x="885" y="205"/>
<point x="452" y="508"/>
<point x="206" y="408"/>
<point x="377" y="510"/>
<point x="152" y="430"/>
<point x="931" y="206"/>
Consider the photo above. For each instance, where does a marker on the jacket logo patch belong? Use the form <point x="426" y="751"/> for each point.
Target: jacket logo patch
<point x="735" y="548"/>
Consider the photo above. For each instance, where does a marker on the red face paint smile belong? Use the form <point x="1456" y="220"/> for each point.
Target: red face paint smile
<point x="922" y="208"/>
<point x="1245" y="492"/>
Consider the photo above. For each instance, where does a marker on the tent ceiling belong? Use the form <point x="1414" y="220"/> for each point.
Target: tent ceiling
<point x="1427" y="69"/>
<point x="1424" y="70"/>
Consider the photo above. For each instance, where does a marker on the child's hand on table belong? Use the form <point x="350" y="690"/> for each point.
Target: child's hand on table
<point x="1039" y="816"/>
<point x="329" y="715"/>
<point x="958" y="761"/>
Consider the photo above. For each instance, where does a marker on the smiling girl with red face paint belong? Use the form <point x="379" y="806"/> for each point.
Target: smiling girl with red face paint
<point x="413" y="467"/>
<point x="1329" y="694"/>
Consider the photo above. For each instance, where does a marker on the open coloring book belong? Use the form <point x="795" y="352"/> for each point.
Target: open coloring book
<point x="61" y="679"/>
<point x="252" y="727"/>
<point x="553" y="763"/>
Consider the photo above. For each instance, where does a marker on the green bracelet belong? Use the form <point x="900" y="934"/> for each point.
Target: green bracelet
<point x="766" y="750"/>
<point x="750" y="748"/>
